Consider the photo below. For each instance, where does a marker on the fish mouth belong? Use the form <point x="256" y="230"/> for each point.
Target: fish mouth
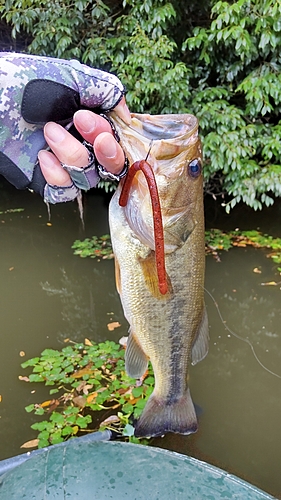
<point x="162" y="136"/>
<point x="170" y="133"/>
<point x="163" y="127"/>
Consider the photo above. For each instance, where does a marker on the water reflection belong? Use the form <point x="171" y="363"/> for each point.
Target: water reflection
<point x="47" y="294"/>
<point x="82" y="303"/>
<point x="240" y="426"/>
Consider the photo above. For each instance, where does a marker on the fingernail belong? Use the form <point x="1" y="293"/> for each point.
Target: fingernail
<point x="127" y="115"/>
<point x="45" y="159"/>
<point x="123" y="111"/>
<point x="54" y="132"/>
<point x="85" y="120"/>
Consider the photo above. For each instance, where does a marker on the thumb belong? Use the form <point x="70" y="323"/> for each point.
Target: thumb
<point x="122" y="111"/>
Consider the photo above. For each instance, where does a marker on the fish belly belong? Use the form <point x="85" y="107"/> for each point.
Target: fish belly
<point x="163" y="329"/>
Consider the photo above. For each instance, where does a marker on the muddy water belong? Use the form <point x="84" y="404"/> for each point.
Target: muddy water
<point x="48" y="295"/>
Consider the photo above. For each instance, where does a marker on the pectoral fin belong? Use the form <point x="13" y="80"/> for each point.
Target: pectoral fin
<point x="201" y="342"/>
<point x="148" y="265"/>
<point x="136" y="360"/>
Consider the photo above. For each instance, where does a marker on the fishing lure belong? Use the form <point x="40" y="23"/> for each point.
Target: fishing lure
<point x="147" y="170"/>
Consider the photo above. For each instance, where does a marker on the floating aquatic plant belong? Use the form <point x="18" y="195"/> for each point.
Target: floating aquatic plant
<point x="215" y="241"/>
<point x="90" y="391"/>
<point x="95" y="247"/>
<point x="219" y="240"/>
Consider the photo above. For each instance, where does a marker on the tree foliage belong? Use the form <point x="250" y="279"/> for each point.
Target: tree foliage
<point x="219" y="60"/>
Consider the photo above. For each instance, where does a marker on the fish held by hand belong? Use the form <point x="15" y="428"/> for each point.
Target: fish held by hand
<point x="170" y="329"/>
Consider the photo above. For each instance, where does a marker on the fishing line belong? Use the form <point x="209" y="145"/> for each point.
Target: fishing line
<point x="149" y="149"/>
<point x="240" y="338"/>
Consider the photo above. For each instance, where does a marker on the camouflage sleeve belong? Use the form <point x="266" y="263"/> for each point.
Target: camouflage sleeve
<point x="35" y="90"/>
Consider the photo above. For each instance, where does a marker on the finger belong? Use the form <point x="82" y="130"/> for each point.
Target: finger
<point x="98" y="131"/>
<point x="66" y="148"/>
<point x="90" y="125"/>
<point x="109" y="153"/>
<point x="122" y="110"/>
<point x="52" y="170"/>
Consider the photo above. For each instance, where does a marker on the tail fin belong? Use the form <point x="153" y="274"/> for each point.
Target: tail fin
<point x="162" y="416"/>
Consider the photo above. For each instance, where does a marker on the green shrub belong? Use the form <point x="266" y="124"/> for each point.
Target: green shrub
<point x="219" y="60"/>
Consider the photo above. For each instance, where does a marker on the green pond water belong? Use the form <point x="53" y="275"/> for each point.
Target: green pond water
<point x="47" y="295"/>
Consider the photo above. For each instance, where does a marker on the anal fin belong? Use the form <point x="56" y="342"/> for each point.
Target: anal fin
<point x="201" y="343"/>
<point x="136" y="361"/>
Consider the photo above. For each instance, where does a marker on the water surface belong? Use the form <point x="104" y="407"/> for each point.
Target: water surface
<point x="47" y="295"/>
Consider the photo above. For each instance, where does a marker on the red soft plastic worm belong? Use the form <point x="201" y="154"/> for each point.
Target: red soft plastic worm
<point x="157" y="216"/>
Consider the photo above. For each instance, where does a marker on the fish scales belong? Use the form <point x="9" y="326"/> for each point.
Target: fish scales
<point x="171" y="330"/>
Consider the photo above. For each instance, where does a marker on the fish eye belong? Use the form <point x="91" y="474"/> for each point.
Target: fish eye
<point x="195" y="168"/>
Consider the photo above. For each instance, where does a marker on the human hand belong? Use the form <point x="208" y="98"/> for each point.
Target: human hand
<point x="67" y="150"/>
<point x="38" y="91"/>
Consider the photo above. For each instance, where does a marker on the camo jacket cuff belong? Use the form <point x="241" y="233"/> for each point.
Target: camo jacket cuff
<point x="56" y="194"/>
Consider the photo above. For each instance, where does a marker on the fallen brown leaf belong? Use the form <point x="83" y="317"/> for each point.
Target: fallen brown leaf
<point x="54" y="405"/>
<point x="88" y="342"/>
<point x="79" y="401"/>
<point x="134" y="400"/>
<point x="113" y="325"/>
<point x="49" y="402"/>
<point x="110" y="420"/>
<point x="92" y="397"/>
<point x="83" y="386"/>
<point x="84" y="371"/>
<point x="86" y="388"/>
<point x="33" y="443"/>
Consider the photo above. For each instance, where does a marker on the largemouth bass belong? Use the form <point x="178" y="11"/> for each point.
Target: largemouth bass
<point x="168" y="327"/>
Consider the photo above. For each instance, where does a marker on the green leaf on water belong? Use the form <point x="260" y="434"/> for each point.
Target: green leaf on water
<point x="128" y="430"/>
<point x="137" y="391"/>
<point x="29" y="408"/>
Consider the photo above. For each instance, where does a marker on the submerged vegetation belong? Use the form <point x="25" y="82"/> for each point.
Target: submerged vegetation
<point x="90" y="391"/>
<point x="215" y="241"/>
